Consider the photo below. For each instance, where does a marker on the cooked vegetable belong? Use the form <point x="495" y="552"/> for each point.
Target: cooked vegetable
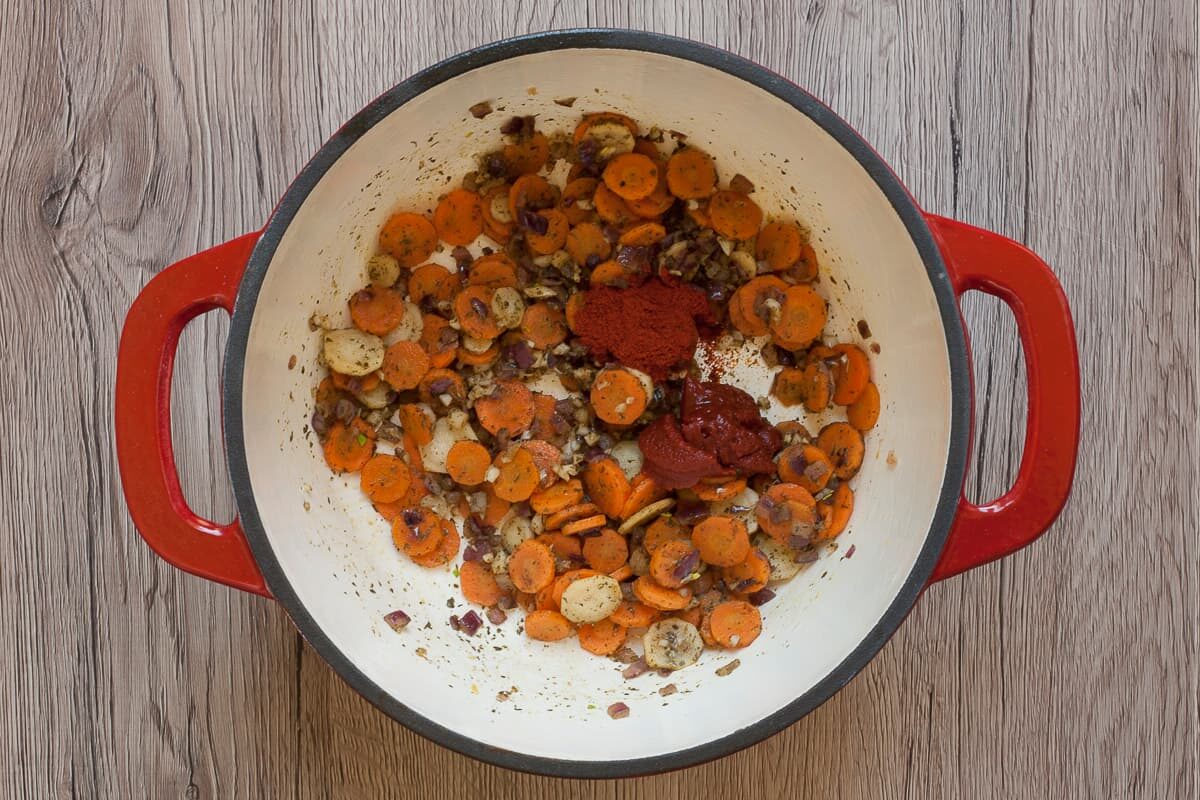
<point x="353" y="352"/>
<point x="672" y="644"/>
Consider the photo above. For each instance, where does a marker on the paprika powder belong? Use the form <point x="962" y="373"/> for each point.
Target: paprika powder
<point x="651" y="327"/>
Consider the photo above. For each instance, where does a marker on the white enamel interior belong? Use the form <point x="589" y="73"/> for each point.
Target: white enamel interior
<point x="336" y="551"/>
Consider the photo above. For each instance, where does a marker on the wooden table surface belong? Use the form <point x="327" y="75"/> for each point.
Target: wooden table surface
<point x="138" y="133"/>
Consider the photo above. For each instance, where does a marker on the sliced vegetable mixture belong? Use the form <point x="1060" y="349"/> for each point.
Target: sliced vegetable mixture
<point x="535" y="395"/>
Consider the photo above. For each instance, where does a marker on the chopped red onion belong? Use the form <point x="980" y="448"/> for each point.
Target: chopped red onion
<point x="520" y="354"/>
<point x="412" y="517"/>
<point x="471" y="553"/>
<point x="455" y="622"/>
<point x="595" y="453"/>
<point x="397" y="620"/>
<point x="635" y="669"/>
<point x="850" y="552"/>
<point x="506" y="602"/>
<point x="625" y="655"/>
<point x="663" y="673"/>
<point x="761" y="597"/>
<point x="469" y="623"/>
<point x="522" y="509"/>
<point x="319" y="423"/>
<point x="440" y="386"/>
<point x="686" y="565"/>
<point x="798" y="541"/>
<point x="618" y="711"/>
<point x="496" y="616"/>
<point x="345" y="410"/>
<point x="532" y="221"/>
<point x="690" y="512"/>
<point x="806" y="556"/>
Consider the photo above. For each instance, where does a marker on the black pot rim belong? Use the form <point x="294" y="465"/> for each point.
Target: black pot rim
<point x="905" y="207"/>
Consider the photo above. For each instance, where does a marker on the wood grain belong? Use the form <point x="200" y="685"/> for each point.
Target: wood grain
<point x="139" y="133"/>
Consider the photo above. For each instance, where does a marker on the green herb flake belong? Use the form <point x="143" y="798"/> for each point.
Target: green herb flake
<point x="361" y="440"/>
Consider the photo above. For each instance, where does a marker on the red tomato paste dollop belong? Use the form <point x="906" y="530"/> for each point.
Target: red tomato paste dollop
<point x="719" y="430"/>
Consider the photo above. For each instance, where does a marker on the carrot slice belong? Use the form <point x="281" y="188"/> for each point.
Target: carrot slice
<point x="844" y="446"/>
<point x="735" y="623"/>
<point x="385" y="479"/>
<point x="806" y="465"/>
<point x="527" y="156"/>
<point x="495" y="270"/>
<point x="544" y="326"/>
<point x="509" y="408"/>
<point x="780" y="244"/>
<point x="547" y="626"/>
<point x="531" y="566"/>
<point x="631" y="176"/>
<point x="408" y="238"/>
<point x="546" y="457"/>
<point x="721" y="541"/>
<point x="496" y="221"/>
<point x="564" y="547"/>
<point x="634" y="614"/>
<point x="555" y="235"/>
<point x="446" y="550"/>
<point x="618" y="396"/>
<point x="734" y="215"/>
<point x="643" y="491"/>
<point x="531" y="192"/>
<point x="801" y="317"/>
<point x="440" y="382"/>
<point x="713" y="492"/>
<point x="691" y="174"/>
<point x="416" y="423"/>
<point x="458" y="217"/>
<point x="432" y="281"/>
<point x="661" y="597"/>
<point x="585" y="524"/>
<point x="439" y="340"/>
<point x="574" y="303"/>
<point x="404" y="364"/>
<point x="607" y="485"/>
<point x="749" y="576"/>
<point x="469" y="359"/>
<point x="557" y="497"/>
<point x="805" y="269"/>
<point x="586" y="243"/>
<point x="610" y="273"/>
<point x="622" y="573"/>
<point x="473" y="308"/>
<point x="518" y="475"/>
<point x="377" y="309"/>
<point x="577" y="190"/>
<point x="348" y="447"/>
<point x="478" y="584"/>
<point x="851" y="373"/>
<point x="863" y="413"/>
<point x="467" y="462"/>
<point x="601" y="638"/>
<point x="417" y="532"/>
<point x="496" y="506"/>
<point x="581" y="130"/>
<point x="643" y="235"/>
<point x="756" y="303"/>
<point x="673" y="563"/>
<point x="659" y="201"/>
<point x="606" y="551"/>
<point x="570" y="514"/>
<point x="664" y="529"/>
<point x="611" y="207"/>
<point x="785" y="510"/>
<point x="836" y="512"/>
<point x="811" y="385"/>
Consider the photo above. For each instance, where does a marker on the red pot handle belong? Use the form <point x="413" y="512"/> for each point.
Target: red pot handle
<point x="145" y="363"/>
<point x="985" y="261"/>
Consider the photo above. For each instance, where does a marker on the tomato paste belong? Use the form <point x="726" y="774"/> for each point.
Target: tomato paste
<point x="719" y="430"/>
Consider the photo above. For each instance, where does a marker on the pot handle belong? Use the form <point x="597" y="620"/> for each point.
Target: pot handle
<point x="145" y="363"/>
<point x="988" y="262"/>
